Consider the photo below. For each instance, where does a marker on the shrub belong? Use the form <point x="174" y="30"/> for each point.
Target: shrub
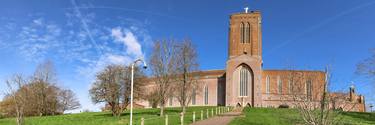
<point x="283" y="106"/>
<point x="86" y="110"/>
<point x="2" y="115"/>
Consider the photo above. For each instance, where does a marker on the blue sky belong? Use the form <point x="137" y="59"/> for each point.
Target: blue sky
<point x="81" y="37"/>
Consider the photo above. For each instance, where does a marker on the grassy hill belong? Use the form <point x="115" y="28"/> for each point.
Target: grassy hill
<point x="105" y="118"/>
<point x="270" y="116"/>
<point x="253" y="116"/>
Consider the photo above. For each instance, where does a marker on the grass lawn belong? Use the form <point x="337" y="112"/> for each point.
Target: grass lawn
<point x="105" y="118"/>
<point x="271" y="116"/>
<point x="253" y="116"/>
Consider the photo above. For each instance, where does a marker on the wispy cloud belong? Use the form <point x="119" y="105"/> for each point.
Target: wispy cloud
<point x="42" y="38"/>
<point x="94" y="66"/>
<point x="83" y="40"/>
<point x="129" y="10"/>
<point x="38" y="38"/>
<point x="85" y="26"/>
<point x="131" y="49"/>
<point x="129" y="40"/>
<point x="5" y="31"/>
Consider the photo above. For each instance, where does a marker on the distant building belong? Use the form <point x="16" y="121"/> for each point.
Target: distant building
<point x="244" y="82"/>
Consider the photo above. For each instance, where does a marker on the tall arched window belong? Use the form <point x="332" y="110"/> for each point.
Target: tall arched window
<point x="193" y="97"/>
<point x="279" y="85"/>
<point x="268" y="84"/>
<point x="245" y="79"/>
<point x="247" y="33"/>
<point x="290" y="86"/>
<point x="309" y="89"/>
<point x="206" y="95"/>
<point x="242" y="28"/>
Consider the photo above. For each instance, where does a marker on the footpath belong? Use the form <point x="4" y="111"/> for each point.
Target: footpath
<point x="222" y="119"/>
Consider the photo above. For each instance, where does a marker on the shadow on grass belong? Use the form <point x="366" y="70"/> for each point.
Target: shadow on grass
<point x="155" y="112"/>
<point x="127" y="114"/>
<point x="361" y="115"/>
<point x="294" y="120"/>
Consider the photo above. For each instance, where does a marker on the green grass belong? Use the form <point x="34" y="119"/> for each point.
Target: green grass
<point x="253" y="116"/>
<point x="105" y="118"/>
<point x="271" y="116"/>
<point x="267" y="116"/>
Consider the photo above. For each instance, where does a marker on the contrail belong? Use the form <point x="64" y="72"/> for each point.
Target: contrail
<point x="127" y="9"/>
<point x="86" y="27"/>
<point x="319" y="25"/>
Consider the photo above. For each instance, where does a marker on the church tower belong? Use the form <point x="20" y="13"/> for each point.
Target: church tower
<point x="244" y="64"/>
<point x="245" y="34"/>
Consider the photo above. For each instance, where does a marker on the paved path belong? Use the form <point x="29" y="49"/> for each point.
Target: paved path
<point x="222" y="119"/>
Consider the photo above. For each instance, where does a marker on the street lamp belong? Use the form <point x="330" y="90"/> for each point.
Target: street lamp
<point x="131" y="90"/>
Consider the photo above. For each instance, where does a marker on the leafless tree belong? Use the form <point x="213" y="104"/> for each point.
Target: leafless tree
<point x="139" y="82"/>
<point x="68" y="100"/>
<point x="43" y="95"/>
<point x="44" y="88"/>
<point x="315" y="111"/>
<point x="163" y="67"/>
<point x="46" y="72"/>
<point x="2" y="112"/>
<point x="18" y="95"/>
<point x="153" y="98"/>
<point x="317" y="105"/>
<point x="367" y="67"/>
<point x="112" y="86"/>
<point x="107" y="88"/>
<point x="187" y="67"/>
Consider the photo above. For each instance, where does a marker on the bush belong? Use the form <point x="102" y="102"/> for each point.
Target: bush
<point x="86" y="110"/>
<point x="283" y="106"/>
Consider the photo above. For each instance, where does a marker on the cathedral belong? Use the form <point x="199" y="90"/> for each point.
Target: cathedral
<point x="244" y="82"/>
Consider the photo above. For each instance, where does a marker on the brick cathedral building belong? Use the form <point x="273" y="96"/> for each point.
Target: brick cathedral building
<point x="244" y="82"/>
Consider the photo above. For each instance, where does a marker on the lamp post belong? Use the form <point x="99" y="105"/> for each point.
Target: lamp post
<point x="132" y="84"/>
<point x="371" y="107"/>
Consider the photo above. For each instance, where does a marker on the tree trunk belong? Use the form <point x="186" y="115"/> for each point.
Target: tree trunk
<point x="113" y="109"/>
<point x="183" y="108"/>
<point x="19" y="115"/>
<point x="162" y="110"/>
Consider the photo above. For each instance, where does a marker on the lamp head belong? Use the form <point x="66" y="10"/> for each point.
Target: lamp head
<point x="144" y="65"/>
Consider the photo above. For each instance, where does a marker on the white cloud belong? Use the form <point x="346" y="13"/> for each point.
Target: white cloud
<point x="37" y="39"/>
<point x="133" y="47"/>
<point x="118" y="59"/>
<point x="38" y="21"/>
<point x="93" y="67"/>
<point x="84" y="42"/>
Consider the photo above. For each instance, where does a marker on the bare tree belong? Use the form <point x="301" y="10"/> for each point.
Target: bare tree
<point x="138" y="92"/>
<point x="112" y="86"/>
<point x="315" y="111"/>
<point x="314" y="102"/>
<point x="18" y="94"/>
<point x="2" y="112"/>
<point x="68" y="100"/>
<point x="43" y="95"/>
<point x="310" y="96"/>
<point x="107" y="88"/>
<point x="186" y="57"/>
<point x="367" y="67"/>
<point x="44" y="89"/>
<point x="163" y="66"/>
<point x="45" y="72"/>
<point x="153" y="98"/>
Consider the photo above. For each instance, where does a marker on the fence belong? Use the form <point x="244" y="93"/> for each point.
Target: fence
<point x="184" y="118"/>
